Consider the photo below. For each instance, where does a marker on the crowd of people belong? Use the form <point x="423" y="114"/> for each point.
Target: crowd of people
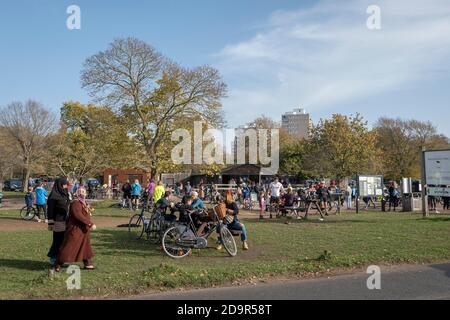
<point x="68" y="215"/>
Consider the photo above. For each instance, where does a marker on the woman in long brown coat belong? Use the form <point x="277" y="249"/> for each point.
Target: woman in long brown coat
<point x="77" y="240"/>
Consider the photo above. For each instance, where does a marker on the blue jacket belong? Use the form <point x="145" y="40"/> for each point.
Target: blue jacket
<point x="29" y="199"/>
<point x="136" y="189"/>
<point x="41" y="195"/>
<point x="198" y="204"/>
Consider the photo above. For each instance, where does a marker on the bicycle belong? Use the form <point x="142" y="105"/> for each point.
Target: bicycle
<point x="28" y="213"/>
<point x="178" y="241"/>
<point x="154" y="227"/>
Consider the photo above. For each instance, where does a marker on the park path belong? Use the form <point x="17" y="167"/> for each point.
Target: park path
<point x="16" y="224"/>
<point x="397" y="282"/>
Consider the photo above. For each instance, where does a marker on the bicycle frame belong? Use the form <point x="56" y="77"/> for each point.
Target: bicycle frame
<point x="191" y="225"/>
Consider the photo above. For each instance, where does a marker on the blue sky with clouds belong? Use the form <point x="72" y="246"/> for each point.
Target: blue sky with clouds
<point x="275" y="55"/>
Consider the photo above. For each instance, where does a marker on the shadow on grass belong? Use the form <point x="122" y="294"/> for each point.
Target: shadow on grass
<point x="113" y="242"/>
<point x="29" y="265"/>
<point x="434" y="219"/>
<point x="310" y="220"/>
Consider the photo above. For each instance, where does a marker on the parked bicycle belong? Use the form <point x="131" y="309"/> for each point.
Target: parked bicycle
<point x="178" y="241"/>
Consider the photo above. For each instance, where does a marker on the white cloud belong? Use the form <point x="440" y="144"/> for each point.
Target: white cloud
<point x="325" y="55"/>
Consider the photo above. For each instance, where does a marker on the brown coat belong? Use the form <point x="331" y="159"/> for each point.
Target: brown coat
<point x="77" y="239"/>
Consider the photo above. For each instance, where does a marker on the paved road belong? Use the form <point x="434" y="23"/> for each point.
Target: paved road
<point x="401" y="282"/>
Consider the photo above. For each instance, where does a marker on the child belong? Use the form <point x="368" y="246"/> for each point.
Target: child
<point x="29" y="199"/>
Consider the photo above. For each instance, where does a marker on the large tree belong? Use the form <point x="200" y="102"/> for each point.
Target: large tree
<point x="341" y="147"/>
<point x="401" y="143"/>
<point x="91" y="138"/>
<point x="153" y="94"/>
<point x="7" y="155"/>
<point x="29" y="126"/>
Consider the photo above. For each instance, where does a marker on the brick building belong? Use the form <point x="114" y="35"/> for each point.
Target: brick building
<point x="122" y="175"/>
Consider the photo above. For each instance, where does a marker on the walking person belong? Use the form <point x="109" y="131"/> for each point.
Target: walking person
<point x="41" y="202"/>
<point x="77" y="241"/>
<point x="57" y="210"/>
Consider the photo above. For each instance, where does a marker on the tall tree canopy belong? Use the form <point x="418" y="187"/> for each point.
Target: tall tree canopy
<point x="152" y="94"/>
<point x="91" y="139"/>
<point x="401" y="143"/>
<point x="342" y="146"/>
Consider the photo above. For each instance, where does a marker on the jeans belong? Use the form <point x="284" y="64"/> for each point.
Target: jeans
<point x="237" y="226"/>
<point x="43" y="208"/>
<point x="349" y="202"/>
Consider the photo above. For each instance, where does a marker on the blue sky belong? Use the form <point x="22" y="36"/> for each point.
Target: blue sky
<point x="275" y="55"/>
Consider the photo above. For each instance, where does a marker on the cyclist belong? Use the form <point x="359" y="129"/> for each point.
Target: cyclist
<point x="126" y="189"/>
<point x="41" y="202"/>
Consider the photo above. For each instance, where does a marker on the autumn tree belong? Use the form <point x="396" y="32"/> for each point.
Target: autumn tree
<point x="91" y="139"/>
<point x="151" y="93"/>
<point x="7" y="155"/>
<point x="401" y="143"/>
<point x="28" y="126"/>
<point x="342" y="146"/>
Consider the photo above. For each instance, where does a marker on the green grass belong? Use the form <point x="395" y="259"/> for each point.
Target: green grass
<point x="127" y="266"/>
<point x="13" y="195"/>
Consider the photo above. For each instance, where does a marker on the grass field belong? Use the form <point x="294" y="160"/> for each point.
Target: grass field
<point x="127" y="267"/>
<point x="13" y="195"/>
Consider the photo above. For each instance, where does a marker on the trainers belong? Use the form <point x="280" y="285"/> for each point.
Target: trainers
<point x="46" y="220"/>
<point x="244" y="245"/>
<point x="219" y="247"/>
<point x="39" y="220"/>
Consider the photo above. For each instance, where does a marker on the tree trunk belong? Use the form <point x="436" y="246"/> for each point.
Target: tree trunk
<point x="25" y="177"/>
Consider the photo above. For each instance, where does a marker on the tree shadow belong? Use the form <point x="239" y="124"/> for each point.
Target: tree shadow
<point x="29" y="265"/>
<point x="434" y="219"/>
<point x="113" y="242"/>
<point x="310" y="220"/>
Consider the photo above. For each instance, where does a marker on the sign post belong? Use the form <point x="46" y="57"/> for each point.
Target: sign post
<point x="424" y="186"/>
<point x="435" y="176"/>
<point x="368" y="186"/>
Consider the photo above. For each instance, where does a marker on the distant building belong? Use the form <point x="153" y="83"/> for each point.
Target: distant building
<point x="297" y="123"/>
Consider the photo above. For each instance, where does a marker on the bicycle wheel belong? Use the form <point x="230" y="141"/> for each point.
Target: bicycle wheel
<point x="27" y="213"/>
<point x="136" y="227"/>
<point x="154" y="231"/>
<point x="228" y="242"/>
<point x="170" y="244"/>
